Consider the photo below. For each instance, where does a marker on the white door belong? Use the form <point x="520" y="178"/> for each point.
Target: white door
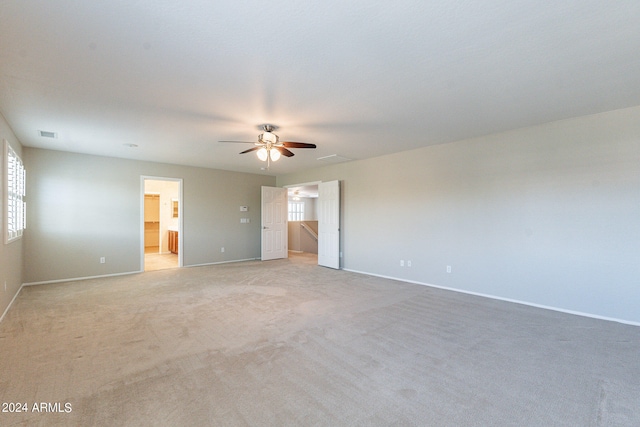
<point x="274" y="223"/>
<point x="329" y="224"/>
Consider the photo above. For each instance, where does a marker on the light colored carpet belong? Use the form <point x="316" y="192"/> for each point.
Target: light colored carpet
<point x="289" y="343"/>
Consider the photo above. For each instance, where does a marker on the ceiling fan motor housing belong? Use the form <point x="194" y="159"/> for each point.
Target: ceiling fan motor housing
<point x="269" y="148"/>
<point x="268" y="138"/>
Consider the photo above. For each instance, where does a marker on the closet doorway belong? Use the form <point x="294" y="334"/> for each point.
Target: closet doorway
<point x="161" y="242"/>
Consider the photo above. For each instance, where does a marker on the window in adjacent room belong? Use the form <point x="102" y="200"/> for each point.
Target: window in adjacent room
<point x="296" y="211"/>
<point x="15" y="186"/>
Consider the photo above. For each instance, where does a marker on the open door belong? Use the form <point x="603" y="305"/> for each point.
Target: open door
<point x="329" y="224"/>
<point x="161" y="224"/>
<point x="274" y="223"/>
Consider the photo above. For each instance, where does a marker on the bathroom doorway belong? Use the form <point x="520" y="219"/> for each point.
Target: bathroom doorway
<point x="161" y="223"/>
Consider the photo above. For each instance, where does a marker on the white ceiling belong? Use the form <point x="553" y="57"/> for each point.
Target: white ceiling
<point x="306" y="190"/>
<point x="357" y="78"/>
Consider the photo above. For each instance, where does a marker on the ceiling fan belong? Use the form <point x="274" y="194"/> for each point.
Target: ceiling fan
<point x="269" y="148"/>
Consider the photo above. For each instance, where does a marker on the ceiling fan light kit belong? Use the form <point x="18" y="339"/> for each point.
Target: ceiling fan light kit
<point x="269" y="148"/>
<point x="262" y="154"/>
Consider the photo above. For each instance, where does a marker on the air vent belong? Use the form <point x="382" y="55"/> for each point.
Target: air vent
<point x="334" y="158"/>
<point x="47" y="134"/>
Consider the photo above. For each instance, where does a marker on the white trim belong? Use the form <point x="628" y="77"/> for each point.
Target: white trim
<point x="77" y="279"/>
<point x="221" y="262"/>
<point x="127" y="273"/>
<point x="478" y="294"/>
<point x="303" y="184"/>
<point x="11" y="303"/>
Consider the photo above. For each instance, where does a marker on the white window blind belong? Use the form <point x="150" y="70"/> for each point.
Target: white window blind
<point x="16" y="189"/>
<point x="296" y="211"/>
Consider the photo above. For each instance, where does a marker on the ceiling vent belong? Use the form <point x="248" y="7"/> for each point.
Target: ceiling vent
<point x="47" y="134"/>
<point x="334" y="158"/>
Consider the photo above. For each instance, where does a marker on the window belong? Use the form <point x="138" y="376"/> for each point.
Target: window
<point x="16" y="180"/>
<point x="296" y="211"/>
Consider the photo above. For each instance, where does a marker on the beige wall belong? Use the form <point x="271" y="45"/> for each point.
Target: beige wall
<point x="548" y="215"/>
<point x="84" y="207"/>
<point x="310" y="209"/>
<point x="11" y="254"/>
<point x="301" y="240"/>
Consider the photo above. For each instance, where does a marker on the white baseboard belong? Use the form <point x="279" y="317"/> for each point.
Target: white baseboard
<point x="530" y="304"/>
<point x="75" y="279"/>
<point x="221" y="262"/>
<point x="11" y="303"/>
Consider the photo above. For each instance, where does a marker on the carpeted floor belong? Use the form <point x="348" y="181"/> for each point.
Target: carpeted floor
<point x="286" y="342"/>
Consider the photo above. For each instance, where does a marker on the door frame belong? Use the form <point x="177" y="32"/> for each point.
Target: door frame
<point x="317" y="183"/>
<point x="180" y="216"/>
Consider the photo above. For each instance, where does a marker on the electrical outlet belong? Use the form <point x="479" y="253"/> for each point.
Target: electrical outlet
<point x="222" y="249"/>
<point x="401" y="263"/>
<point x="409" y="263"/>
<point x="448" y="269"/>
<point x="102" y="260"/>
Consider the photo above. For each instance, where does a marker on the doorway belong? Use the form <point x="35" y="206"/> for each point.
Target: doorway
<point x="284" y="218"/>
<point x="303" y="220"/>
<point x="322" y="223"/>
<point x="161" y="240"/>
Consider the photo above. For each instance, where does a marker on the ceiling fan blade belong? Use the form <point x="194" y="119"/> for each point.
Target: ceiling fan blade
<point x="250" y="150"/>
<point x="239" y="142"/>
<point x="284" y="151"/>
<point x="292" y="144"/>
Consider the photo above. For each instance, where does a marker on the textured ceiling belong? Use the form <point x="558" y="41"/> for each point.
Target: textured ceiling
<point x="358" y="78"/>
